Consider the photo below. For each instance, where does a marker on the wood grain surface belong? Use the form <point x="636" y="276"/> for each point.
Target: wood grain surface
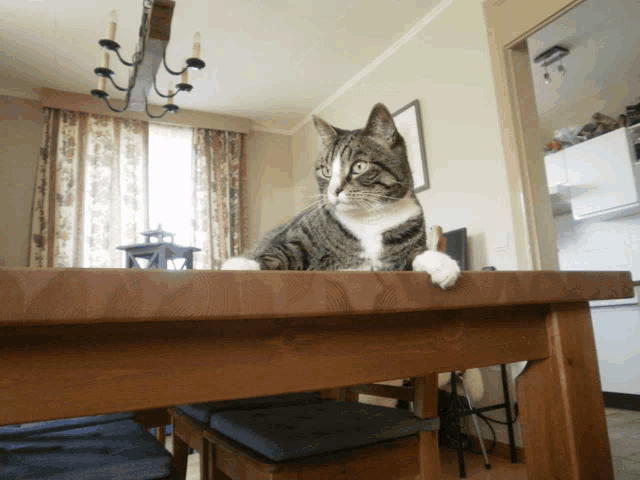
<point x="31" y="296"/>
<point x="563" y="421"/>
<point x="104" y="368"/>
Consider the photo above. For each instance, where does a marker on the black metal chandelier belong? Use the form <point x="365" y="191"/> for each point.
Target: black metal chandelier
<point x="151" y="51"/>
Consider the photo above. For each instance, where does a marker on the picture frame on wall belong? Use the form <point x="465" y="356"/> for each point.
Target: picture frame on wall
<point x="409" y="124"/>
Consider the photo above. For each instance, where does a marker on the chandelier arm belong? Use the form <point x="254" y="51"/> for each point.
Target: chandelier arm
<point x="115" y="109"/>
<point x="155" y="87"/>
<point x="146" y="108"/>
<point x="117" y="86"/>
<point x="164" y="61"/>
<point x="135" y="63"/>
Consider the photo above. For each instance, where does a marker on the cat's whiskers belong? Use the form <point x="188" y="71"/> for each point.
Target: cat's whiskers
<point x="365" y="204"/>
<point x="376" y="195"/>
<point x="323" y="204"/>
<point x="314" y="196"/>
<point x="373" y="203"/>
<point x="313" y="209"/>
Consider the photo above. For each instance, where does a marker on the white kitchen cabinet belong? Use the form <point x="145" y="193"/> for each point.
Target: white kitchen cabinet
<point x="617" y="336"/>
<point x="555" y="165"/>
<point x="601" y="176"/>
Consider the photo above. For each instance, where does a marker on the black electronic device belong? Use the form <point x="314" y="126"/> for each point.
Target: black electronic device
<point x="457" y="246"/>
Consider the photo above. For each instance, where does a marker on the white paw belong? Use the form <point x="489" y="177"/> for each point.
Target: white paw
<point x="239" y="263"/>
<point x="443" y="269"/>
<point x="473" y="383"/>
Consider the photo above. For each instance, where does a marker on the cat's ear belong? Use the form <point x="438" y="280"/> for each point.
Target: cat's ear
<point x="327" y="133"/>
<point x="380" y="126"/>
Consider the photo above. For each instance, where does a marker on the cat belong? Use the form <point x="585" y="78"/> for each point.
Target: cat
<point x="368" y="217"/>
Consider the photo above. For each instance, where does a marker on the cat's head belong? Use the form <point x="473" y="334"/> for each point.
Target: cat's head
<point x="363" y="170"/>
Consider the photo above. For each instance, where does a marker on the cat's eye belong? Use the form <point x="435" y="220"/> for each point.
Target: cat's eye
<point x="359" y="167"/>
<point x="326" y="171"/>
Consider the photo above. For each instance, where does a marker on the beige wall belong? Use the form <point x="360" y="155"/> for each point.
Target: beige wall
<point x="270" y="190"/>
<point x="21" y="126"/>
<point x="447" y="67"/>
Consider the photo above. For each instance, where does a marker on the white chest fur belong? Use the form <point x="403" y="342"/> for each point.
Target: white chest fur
<point x="368" y="228"/>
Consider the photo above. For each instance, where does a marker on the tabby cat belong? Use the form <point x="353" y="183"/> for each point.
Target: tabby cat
<point x="368" y="216"/>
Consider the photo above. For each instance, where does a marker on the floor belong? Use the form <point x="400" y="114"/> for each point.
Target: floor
<point x="624" y="434"/>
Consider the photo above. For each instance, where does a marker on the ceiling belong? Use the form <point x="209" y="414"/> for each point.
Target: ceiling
<point x="273" y="61"/>
<point x="603" y="37"/>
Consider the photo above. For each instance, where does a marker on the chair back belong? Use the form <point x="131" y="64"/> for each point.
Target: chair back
<point x="436" y="241"/>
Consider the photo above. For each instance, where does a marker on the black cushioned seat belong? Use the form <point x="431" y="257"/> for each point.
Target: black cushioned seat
<point x="114" y="449"/>
<point x="202" y="412"/>
<point x="21" y="429"/>
<point x="283" y="434"/>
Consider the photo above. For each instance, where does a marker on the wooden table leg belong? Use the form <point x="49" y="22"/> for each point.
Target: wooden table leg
<point x="205" y="472"/>
<point x="426" y="406"/>
<point x="180" y="450"/>
<point x="561" y="404"/>
<point x="160" y="434"/>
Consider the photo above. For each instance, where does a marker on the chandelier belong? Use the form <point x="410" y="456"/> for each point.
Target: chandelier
<point x="551" y="56"/>
<point x="151" y="51"/>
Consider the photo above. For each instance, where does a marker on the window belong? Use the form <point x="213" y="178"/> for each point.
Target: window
<point x="170" y="181"/>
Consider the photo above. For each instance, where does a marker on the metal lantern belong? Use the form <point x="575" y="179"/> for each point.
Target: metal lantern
<point x="158" y="252"/>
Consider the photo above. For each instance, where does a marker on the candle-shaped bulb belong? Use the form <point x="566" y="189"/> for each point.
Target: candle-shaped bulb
<point x="170" y="94"/>
<point x="105" y="59"/>
<point x="111" y="33"/>
<point x="185" y="76"/>
<point x="196" y="45"/>
<point x="102" y="83"/>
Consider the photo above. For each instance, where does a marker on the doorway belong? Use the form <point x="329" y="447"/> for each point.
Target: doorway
<point x="586" y="98"/>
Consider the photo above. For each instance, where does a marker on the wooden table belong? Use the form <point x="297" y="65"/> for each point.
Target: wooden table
<point x="84" y="341"/>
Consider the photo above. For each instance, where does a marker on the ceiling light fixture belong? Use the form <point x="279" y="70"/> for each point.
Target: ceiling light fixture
<point x="151" y="51"/>
<point x="561" y="69"/>
<point x="551" y="56"/>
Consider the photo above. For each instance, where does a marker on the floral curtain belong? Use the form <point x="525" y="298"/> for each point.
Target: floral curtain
<point x="219" y="177"/>
<point x="91" y="190"/>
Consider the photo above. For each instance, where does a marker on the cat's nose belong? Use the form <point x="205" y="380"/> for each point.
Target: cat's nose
<point x="337" y="191"/>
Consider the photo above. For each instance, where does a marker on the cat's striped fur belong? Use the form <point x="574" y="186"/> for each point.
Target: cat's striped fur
<point x="367" y="218"/>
